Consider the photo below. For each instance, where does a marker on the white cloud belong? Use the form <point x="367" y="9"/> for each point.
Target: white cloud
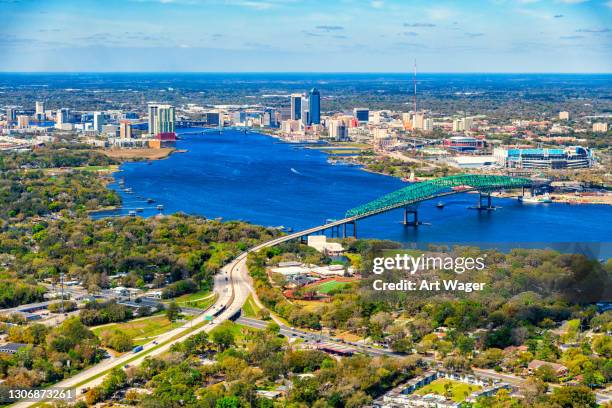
<point x="377" y="4"/>
<point x="572" y="1"/>
<point x="440" y="13"/>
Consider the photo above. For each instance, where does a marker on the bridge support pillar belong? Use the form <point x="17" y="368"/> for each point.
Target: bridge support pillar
<point x="354" y="224"/>
<point x="489" y="206"/>
<point x="415" y="217"/>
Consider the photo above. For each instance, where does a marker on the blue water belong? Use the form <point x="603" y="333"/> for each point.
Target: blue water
<point x="256" y="178"/>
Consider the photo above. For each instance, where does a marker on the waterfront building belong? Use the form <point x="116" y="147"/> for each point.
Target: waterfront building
<point x="125" y="129"/>
<point x="238" y="117"/>
<point x="23" y="121"/>
<point x="269" y="118"/>
<point x="572" y="157"/>
<point x="338" y="130"/>
<point x="463" y="143"/>
<point x="314" y="106"/>
<point x="305" y="115"/>
<point x="361" y="114"/>
<point x="290" y="126"/>
<point x="600" y="127"/>
<point x="161" y="119"/>
<point x="98" y="121"/>
<point x="564" y="115"/>
<point x="210" y="118"/>
<point x="296" y="106"/>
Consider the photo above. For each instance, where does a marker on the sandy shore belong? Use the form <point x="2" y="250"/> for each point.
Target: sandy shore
<point x="139" y="154"/>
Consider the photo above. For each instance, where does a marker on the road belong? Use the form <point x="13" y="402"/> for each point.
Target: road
<point x="233" y="286"/>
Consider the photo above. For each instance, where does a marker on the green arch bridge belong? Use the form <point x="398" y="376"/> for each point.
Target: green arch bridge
<point x="439" y="187"/>
<point x="413" y="194"/>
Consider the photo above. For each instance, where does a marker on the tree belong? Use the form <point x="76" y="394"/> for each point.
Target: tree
<point x="228" y="402"/>
<point x="574" y="397"/>
<point x="223" y="336"/>
<point x="173" y="311"/>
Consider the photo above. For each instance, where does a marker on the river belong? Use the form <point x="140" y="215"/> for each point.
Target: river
<point x="256" y="178"/>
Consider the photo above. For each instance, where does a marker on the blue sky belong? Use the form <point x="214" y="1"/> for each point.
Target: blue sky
<point x="306" y="35"/>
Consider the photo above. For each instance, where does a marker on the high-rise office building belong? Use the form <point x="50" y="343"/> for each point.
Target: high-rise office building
<point x="40" y="108"/>
<point x="61" y="117"/>
<point x="564" y="115"/>
<point x="23" y="121"/>
<point x="418" y="120"/>
<point x="161" y="119"/>
<point x="305" y="116"/>
<point x="269" y="118"/>
<point x="314" y="107"/>
<point x="338" y="130"/>
<point x="428" y="125"/>
<point x="11" y="114"/>
<point x="98" y="121"/>
<point x="125" y="129"/>
<point x="361" y="114"/>
<point x="296" y="106"/>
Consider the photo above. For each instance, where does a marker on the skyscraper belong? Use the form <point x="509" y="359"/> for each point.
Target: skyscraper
<point x="11" y="114"/>
<point x="98" y="121"/>
<point x="40" y="108"/>
<point x="418" y="120"/>
<point x="361" y="114"/>
<point x="296" y="106"/>
<point x="125" y="129"/>
<point x="40" y="111"/>
<point x="61" y="117"/>
<point x="314" y="107"/>
<point x="161" y="119"/>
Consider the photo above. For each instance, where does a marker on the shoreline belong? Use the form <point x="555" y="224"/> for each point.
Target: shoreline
<point x="140" y="154"/>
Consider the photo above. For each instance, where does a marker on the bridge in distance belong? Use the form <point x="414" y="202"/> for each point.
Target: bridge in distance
<point x="409" y="197"/>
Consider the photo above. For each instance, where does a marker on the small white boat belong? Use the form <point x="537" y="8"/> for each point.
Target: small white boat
<point x="545" y="199"/>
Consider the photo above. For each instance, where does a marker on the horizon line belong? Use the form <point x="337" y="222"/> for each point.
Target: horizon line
<point x="318" y="72"/>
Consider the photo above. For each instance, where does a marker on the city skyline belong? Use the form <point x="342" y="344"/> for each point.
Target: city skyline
<point x="298" y="36"/>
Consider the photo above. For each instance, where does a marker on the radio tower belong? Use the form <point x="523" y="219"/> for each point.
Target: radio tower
<point x="414" y="83"/>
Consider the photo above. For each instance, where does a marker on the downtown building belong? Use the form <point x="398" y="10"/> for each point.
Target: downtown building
<point x="572" y="157"/>
<point x="161" y="119"/>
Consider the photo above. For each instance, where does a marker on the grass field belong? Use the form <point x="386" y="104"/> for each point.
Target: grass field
<point x="327" y="287"/>
<point x="141" y="330"/>
<point x="202" y="299"/>
<point x="250" y="308"/>
<point x="458" y="390"/>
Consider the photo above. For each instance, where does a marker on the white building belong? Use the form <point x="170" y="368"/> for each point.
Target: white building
<point x="161" y="119"/>
<point x="98" y="121"/>
<point x="600" y="127"/>
<point x="338" y="130"/>
<point x="319" y="242"/>
<point x="564" y="115"/>
<point x="418" y="120"/>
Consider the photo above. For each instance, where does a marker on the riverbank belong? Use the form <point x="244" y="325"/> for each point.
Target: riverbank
<point x="569" y="198"/>
<point x="139" y="154"/>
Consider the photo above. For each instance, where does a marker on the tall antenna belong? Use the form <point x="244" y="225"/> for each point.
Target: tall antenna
<point x="414" y="83"/>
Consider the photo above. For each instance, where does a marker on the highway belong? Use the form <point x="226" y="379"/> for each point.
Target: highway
<point x="233" y="286"/>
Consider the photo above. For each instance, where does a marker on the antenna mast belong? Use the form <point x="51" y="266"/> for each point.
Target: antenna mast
<point x="414" y="83"/>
